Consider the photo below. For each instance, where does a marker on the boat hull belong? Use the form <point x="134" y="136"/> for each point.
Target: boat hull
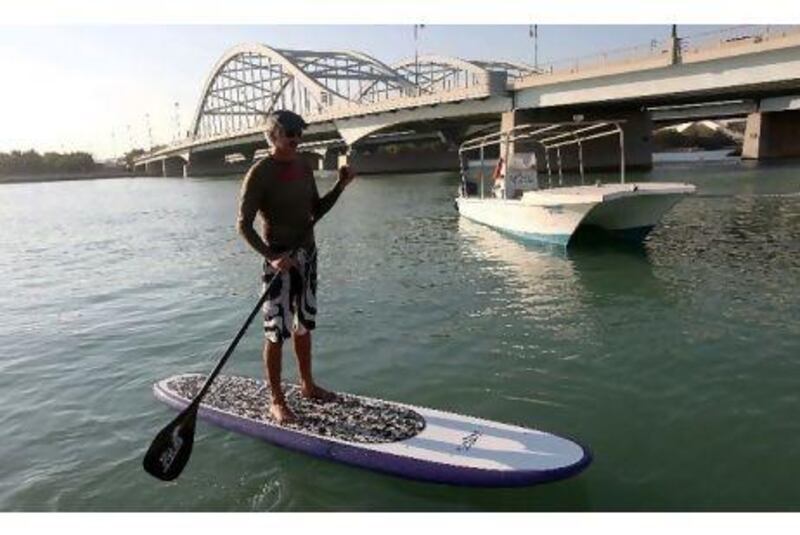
<point x="549" y="224"/>
<point x="626" y="211"/>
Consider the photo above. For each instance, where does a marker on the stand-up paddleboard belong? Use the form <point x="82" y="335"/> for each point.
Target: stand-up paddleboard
<point x="403" y="440"/>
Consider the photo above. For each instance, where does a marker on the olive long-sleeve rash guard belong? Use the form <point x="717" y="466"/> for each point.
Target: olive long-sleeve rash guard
<point x="286" y="196"/>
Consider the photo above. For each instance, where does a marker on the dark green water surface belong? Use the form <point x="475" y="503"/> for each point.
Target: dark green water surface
<point x="677" y="363"/>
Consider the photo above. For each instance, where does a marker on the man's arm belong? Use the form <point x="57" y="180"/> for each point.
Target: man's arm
<point x="249" y="201"/>
<point x="323" y="204"/>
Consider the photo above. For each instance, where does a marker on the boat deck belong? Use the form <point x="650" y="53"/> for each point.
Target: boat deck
<point x="603" y="192"/>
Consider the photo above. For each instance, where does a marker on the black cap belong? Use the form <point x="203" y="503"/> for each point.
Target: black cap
<point x="288" y="120"/>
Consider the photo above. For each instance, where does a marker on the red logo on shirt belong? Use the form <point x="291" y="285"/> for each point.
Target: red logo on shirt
<point x="290" y="173"/>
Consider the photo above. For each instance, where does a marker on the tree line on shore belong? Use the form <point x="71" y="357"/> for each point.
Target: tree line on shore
<point x="32" y="163"/>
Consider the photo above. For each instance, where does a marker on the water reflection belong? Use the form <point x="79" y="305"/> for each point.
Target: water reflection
<point x="610" y="269"/>
<point x="575" y="293"/>
<point x="535" y="273"/>
<point x="595" y="267"/>
<point x="533" y="292"/>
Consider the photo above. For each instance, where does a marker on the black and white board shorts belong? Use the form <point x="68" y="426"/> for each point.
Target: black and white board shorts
<point x="291" y="305"/>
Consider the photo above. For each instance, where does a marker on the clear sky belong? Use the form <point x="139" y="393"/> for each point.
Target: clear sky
<point x="90" y="87"/>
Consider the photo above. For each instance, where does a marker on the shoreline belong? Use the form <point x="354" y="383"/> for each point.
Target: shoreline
<point x="61" y="177"/>
<point x="659" y="157"/>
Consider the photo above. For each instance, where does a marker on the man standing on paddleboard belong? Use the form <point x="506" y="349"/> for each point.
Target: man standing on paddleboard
<point x="282" y="189"/>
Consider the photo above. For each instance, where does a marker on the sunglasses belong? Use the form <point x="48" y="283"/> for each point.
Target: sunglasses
<point x="291" y="132"/>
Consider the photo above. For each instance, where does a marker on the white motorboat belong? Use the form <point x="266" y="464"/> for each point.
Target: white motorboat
<point x="523" y="205"/>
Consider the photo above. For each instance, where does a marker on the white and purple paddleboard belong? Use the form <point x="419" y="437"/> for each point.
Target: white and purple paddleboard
<point x="398" y="439"/>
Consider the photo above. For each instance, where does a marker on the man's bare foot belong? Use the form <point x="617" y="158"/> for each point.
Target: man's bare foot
<point x="281" y="413"/>
<point x="317" y="393"/>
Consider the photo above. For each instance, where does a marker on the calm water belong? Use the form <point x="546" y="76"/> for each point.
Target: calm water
<point x="677" y="364"/>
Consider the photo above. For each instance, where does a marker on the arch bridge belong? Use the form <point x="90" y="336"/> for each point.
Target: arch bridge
<point x="355" y="103"/>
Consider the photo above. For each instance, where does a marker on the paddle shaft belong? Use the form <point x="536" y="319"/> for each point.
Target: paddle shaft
<point x="232" y="346"/>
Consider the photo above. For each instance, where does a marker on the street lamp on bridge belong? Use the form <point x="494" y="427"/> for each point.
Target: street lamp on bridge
<point x="417" y="29"/>
<point x="533" y="32"/>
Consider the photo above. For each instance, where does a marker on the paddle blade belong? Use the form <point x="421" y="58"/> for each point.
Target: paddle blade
<point x="170" y="450"/>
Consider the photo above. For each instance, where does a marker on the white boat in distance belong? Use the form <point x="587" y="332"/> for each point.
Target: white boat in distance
<point x="523" y="205"/>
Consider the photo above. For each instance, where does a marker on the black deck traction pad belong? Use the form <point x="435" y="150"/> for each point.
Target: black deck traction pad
<point x="347" y="418"/>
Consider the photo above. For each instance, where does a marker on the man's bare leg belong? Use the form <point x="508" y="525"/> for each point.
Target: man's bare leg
<point x="309" y="389"/>
<point x="278" y="408"/>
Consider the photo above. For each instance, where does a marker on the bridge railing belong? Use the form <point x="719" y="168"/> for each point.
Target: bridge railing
<point x="655" y="48"/>
<point x="735" y="36"/>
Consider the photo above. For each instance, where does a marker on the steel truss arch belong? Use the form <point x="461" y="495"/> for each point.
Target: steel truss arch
<point x="250" y="80"/>
<point x="246" y="83"/>
<point x="352" y="76"/>
<point x="434" y="73"/>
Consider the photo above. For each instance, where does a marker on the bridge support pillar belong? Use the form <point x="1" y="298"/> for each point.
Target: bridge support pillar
<point x="330" y="162"/>
<point x="153" y="169"/>
<point x="772" y="135"/>
<point x="599" y="154"/>
<point x="172" y="167"/>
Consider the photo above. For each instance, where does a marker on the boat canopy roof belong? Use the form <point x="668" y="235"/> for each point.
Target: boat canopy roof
<point x="548" y="135"/>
